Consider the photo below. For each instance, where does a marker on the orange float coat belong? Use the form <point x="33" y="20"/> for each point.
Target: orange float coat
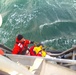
<point x="19" y="46"/>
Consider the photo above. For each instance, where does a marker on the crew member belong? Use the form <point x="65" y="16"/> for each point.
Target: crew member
<point x="21" y="45"/>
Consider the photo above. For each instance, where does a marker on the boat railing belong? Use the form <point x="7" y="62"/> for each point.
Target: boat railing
<point x="69" y="55"/>
<point x="5" y="48"/>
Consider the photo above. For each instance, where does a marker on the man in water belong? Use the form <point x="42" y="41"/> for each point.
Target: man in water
<point x="37" y="50"/>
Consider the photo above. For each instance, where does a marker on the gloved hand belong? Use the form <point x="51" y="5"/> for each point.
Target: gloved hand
<point x="32" y="42"/>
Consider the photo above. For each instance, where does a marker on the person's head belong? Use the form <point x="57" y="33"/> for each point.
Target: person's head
<point x="20" y="37"/>
<point x="40" y="45"/>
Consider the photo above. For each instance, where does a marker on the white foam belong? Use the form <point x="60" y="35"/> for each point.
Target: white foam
<point x="52" y="23"/>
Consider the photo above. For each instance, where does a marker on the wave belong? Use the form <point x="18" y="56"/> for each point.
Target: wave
<point x="52" y="22"/>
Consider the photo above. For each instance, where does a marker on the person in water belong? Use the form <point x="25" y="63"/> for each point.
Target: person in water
<point x="37" y="50"/>
<point x="21" y="45"/>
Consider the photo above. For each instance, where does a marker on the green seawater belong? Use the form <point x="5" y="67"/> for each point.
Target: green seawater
<point x="52" y="22"/>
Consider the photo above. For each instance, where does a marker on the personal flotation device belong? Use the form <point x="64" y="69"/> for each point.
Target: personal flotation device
<point x="19" y="47"/>
<point x="43" y="53"/>
<point x="37" y="49"/>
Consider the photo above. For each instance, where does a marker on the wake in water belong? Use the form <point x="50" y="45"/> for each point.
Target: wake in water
<point x="55" y="22"/>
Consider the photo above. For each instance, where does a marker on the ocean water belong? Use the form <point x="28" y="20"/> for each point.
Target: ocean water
<point x="52" y="22"/>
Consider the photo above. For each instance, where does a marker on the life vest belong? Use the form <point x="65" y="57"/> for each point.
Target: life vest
<point x="39" y="53"/>
<point x="19" y="47"/>
<point x="37" y="49"/>
<point x="43" y="53"/>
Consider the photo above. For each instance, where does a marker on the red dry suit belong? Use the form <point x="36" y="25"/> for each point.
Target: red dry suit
<point x="19" y="46"/>
<point x="32" y="53"/>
